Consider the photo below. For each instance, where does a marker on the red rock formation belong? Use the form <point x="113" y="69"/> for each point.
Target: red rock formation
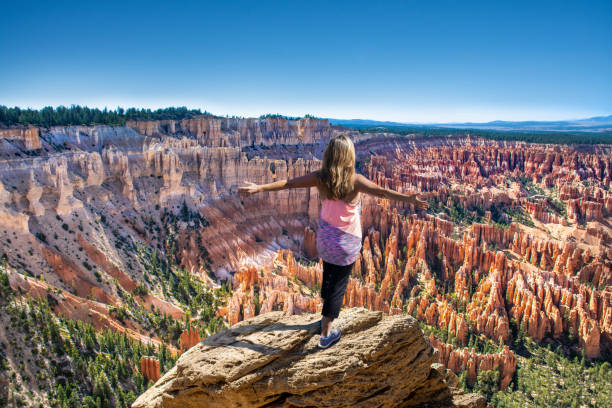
<point x="580" y="209"/>
<point x="153" y="127"/>
<point x="440" y="314"/>
<point x="149" y="368"/>
<point x="310" y="243"/>
<point x="75" y="277"/>
<point x="189" y="338"/>
<point x="282" y="290"/>
<point x="487" y="309"/>
<point x="467" y="360"/>
<point x="555" y="306"/>
<point x="540" y="210"/>
<point x="73" y="307"/>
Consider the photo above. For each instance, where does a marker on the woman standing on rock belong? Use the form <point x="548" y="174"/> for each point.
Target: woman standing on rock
<point x="339" y="234"/>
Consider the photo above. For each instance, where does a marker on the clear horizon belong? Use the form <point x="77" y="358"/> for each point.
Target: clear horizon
<point x="401" y="62"/>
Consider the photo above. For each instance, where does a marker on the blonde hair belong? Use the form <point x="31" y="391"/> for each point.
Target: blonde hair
<point x="338" y="168"/>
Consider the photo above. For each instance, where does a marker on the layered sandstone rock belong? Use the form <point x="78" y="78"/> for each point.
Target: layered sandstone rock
<point x="28" y="136"/>
<point x="189" y="338"/>
<point x="310" y="243"/>
<point x="580" y="209"/>
<point x="440" y="314"/>
<point x="540" y="210"/>
<point x="149" y="368"/>
<point x="273" y="360"/>
<point x="262" y="291"/>
<point x="227" y="132"/>
<point x="459" y="360"/>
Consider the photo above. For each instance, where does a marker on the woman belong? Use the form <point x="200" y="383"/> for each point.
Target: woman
<point x="339" y="233"/>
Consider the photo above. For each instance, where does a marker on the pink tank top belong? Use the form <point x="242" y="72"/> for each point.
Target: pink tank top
<point x="339" y="234"/>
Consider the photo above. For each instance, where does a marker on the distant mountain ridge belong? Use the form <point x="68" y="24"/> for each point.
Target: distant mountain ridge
<point x="594" y="124"/>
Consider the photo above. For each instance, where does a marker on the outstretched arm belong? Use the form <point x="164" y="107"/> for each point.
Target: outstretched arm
<point x="363" y="185"/>
<point x="309" y="180"/>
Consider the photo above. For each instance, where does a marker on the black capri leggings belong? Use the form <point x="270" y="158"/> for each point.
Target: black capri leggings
<point x="335" y="279"/>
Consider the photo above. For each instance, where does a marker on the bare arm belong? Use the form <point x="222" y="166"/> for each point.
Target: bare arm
<point x="309" y="180"/>
<point x="364" y="185"/>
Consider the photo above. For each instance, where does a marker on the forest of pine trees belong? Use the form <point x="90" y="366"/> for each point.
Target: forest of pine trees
<point x="75" y="364"/>
<point x="79" y="366"/>
<point x="524" y="136"/>
<point x="82" y="115"/>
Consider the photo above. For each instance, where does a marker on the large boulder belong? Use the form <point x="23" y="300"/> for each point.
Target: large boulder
<point x="272" y="360"/>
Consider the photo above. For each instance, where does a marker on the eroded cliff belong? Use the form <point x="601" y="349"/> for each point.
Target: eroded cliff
<point x="272" y="360"/>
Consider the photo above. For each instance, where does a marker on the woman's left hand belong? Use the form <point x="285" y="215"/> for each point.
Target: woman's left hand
<point x="248" y="189"/>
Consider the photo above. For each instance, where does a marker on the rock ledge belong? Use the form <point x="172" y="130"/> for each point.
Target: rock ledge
<point x="272" y="360"/>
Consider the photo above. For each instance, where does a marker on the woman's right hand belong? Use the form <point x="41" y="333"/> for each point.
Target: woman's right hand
<point x="248" y="189"/>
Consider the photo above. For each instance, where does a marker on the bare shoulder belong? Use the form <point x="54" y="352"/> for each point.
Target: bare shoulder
<point x="358" y="178"/>
<point x="362" y="182"/>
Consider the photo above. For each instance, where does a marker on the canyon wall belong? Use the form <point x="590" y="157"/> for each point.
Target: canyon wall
<point x="28" y="136"/>
<point x="517" y="237"/>
<point x="234" y="132"/>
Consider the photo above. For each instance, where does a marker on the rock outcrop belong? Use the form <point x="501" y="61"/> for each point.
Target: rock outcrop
<point x="459" y="360"/>
<point x="26" y="135"/>
<point x="189" y="338"/>
<point x="149" y="368"/>
<point x="227" y="132"/>
<point x="272" y="360"/>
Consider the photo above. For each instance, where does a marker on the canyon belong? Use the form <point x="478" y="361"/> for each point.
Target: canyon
<point x="115" y="224"/>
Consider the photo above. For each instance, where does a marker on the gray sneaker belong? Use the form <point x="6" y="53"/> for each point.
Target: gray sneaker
<point x="334" y="336"/>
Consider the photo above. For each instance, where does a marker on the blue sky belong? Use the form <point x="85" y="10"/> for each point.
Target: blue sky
<point x="415" y="61"/>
